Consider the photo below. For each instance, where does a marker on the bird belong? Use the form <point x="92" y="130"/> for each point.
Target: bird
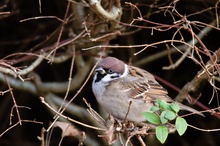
<point x="125" y="91"/>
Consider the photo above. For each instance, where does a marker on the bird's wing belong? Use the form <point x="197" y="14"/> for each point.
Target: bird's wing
<point x="141" y="84"/>
<point x="149" y="90"/>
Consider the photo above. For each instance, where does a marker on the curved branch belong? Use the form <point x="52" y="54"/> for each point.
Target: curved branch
<point x="13" y="71"/>
<point x="113" y="14"/>
<point x="60" y="87"/>
<point x="56" y="87"/>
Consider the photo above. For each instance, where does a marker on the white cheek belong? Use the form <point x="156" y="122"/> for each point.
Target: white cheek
<point x="107" y="78"/>
<point x="99" y="88"/>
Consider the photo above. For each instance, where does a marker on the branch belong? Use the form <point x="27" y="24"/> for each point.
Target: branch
<point x="14" y="125"/>
<point x="56" y="87"/>
<point x="114" y="14"/>
<point x="70" y="119"/>
<point x="202" y="75"/>
<point x="13" y="71"/>
<point x="18" y="84"/>
<point x="193" y="42"/>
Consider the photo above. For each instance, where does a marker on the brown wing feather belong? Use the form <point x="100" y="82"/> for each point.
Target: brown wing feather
<point x="145" y="87"/>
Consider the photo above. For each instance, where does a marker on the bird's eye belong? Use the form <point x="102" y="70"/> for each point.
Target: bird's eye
<point x="110" y="71"/>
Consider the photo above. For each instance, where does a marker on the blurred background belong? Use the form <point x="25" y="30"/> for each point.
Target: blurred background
<point x="48" y="49"/>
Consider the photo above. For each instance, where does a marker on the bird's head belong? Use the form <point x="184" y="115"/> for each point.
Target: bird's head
<point x="109" y="69"/>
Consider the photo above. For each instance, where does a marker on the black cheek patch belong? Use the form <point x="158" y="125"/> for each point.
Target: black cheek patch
<point x="99" y="77"/>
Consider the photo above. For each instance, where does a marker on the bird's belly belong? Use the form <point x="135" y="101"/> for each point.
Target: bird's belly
<point x="120" y="106"/>
<point x="131" y="110"/>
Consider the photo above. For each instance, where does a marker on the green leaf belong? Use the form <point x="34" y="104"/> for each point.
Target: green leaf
<point x="154" y="108"/>
<point x="170" y="115"/>
<point x="152" y="118"/>
<point x="162" y="117"/>
<point x="164" y="105"/>
<point x="175" y="107"/>
<point x="162" y="133"/>
<point x="158" y="101"/>
<point x="181" y="125"/>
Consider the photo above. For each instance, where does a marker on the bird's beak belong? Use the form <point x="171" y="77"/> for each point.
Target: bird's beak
<point x="100" y="70"/>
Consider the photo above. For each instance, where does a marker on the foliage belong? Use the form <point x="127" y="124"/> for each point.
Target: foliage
<point x="161" y="115"/>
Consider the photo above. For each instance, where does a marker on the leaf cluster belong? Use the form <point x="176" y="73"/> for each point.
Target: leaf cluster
<point x="161" y="115"/>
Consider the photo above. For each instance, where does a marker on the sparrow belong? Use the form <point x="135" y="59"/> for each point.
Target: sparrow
<point x="125" y="91"/>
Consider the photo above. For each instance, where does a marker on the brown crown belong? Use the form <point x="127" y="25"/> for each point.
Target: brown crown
<point x="113" y="63"/>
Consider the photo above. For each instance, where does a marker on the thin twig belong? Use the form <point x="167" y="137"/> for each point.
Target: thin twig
<point x="15" y="103"/>
<point x="13" y="71"/>
<point x="70" y="79"/>
<point x="70" y="119"/>
<point x="140" y="140"/>
<point x="204" y="130"/>
<point x="18" y="123"/>
<point x="201" y="76"/>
